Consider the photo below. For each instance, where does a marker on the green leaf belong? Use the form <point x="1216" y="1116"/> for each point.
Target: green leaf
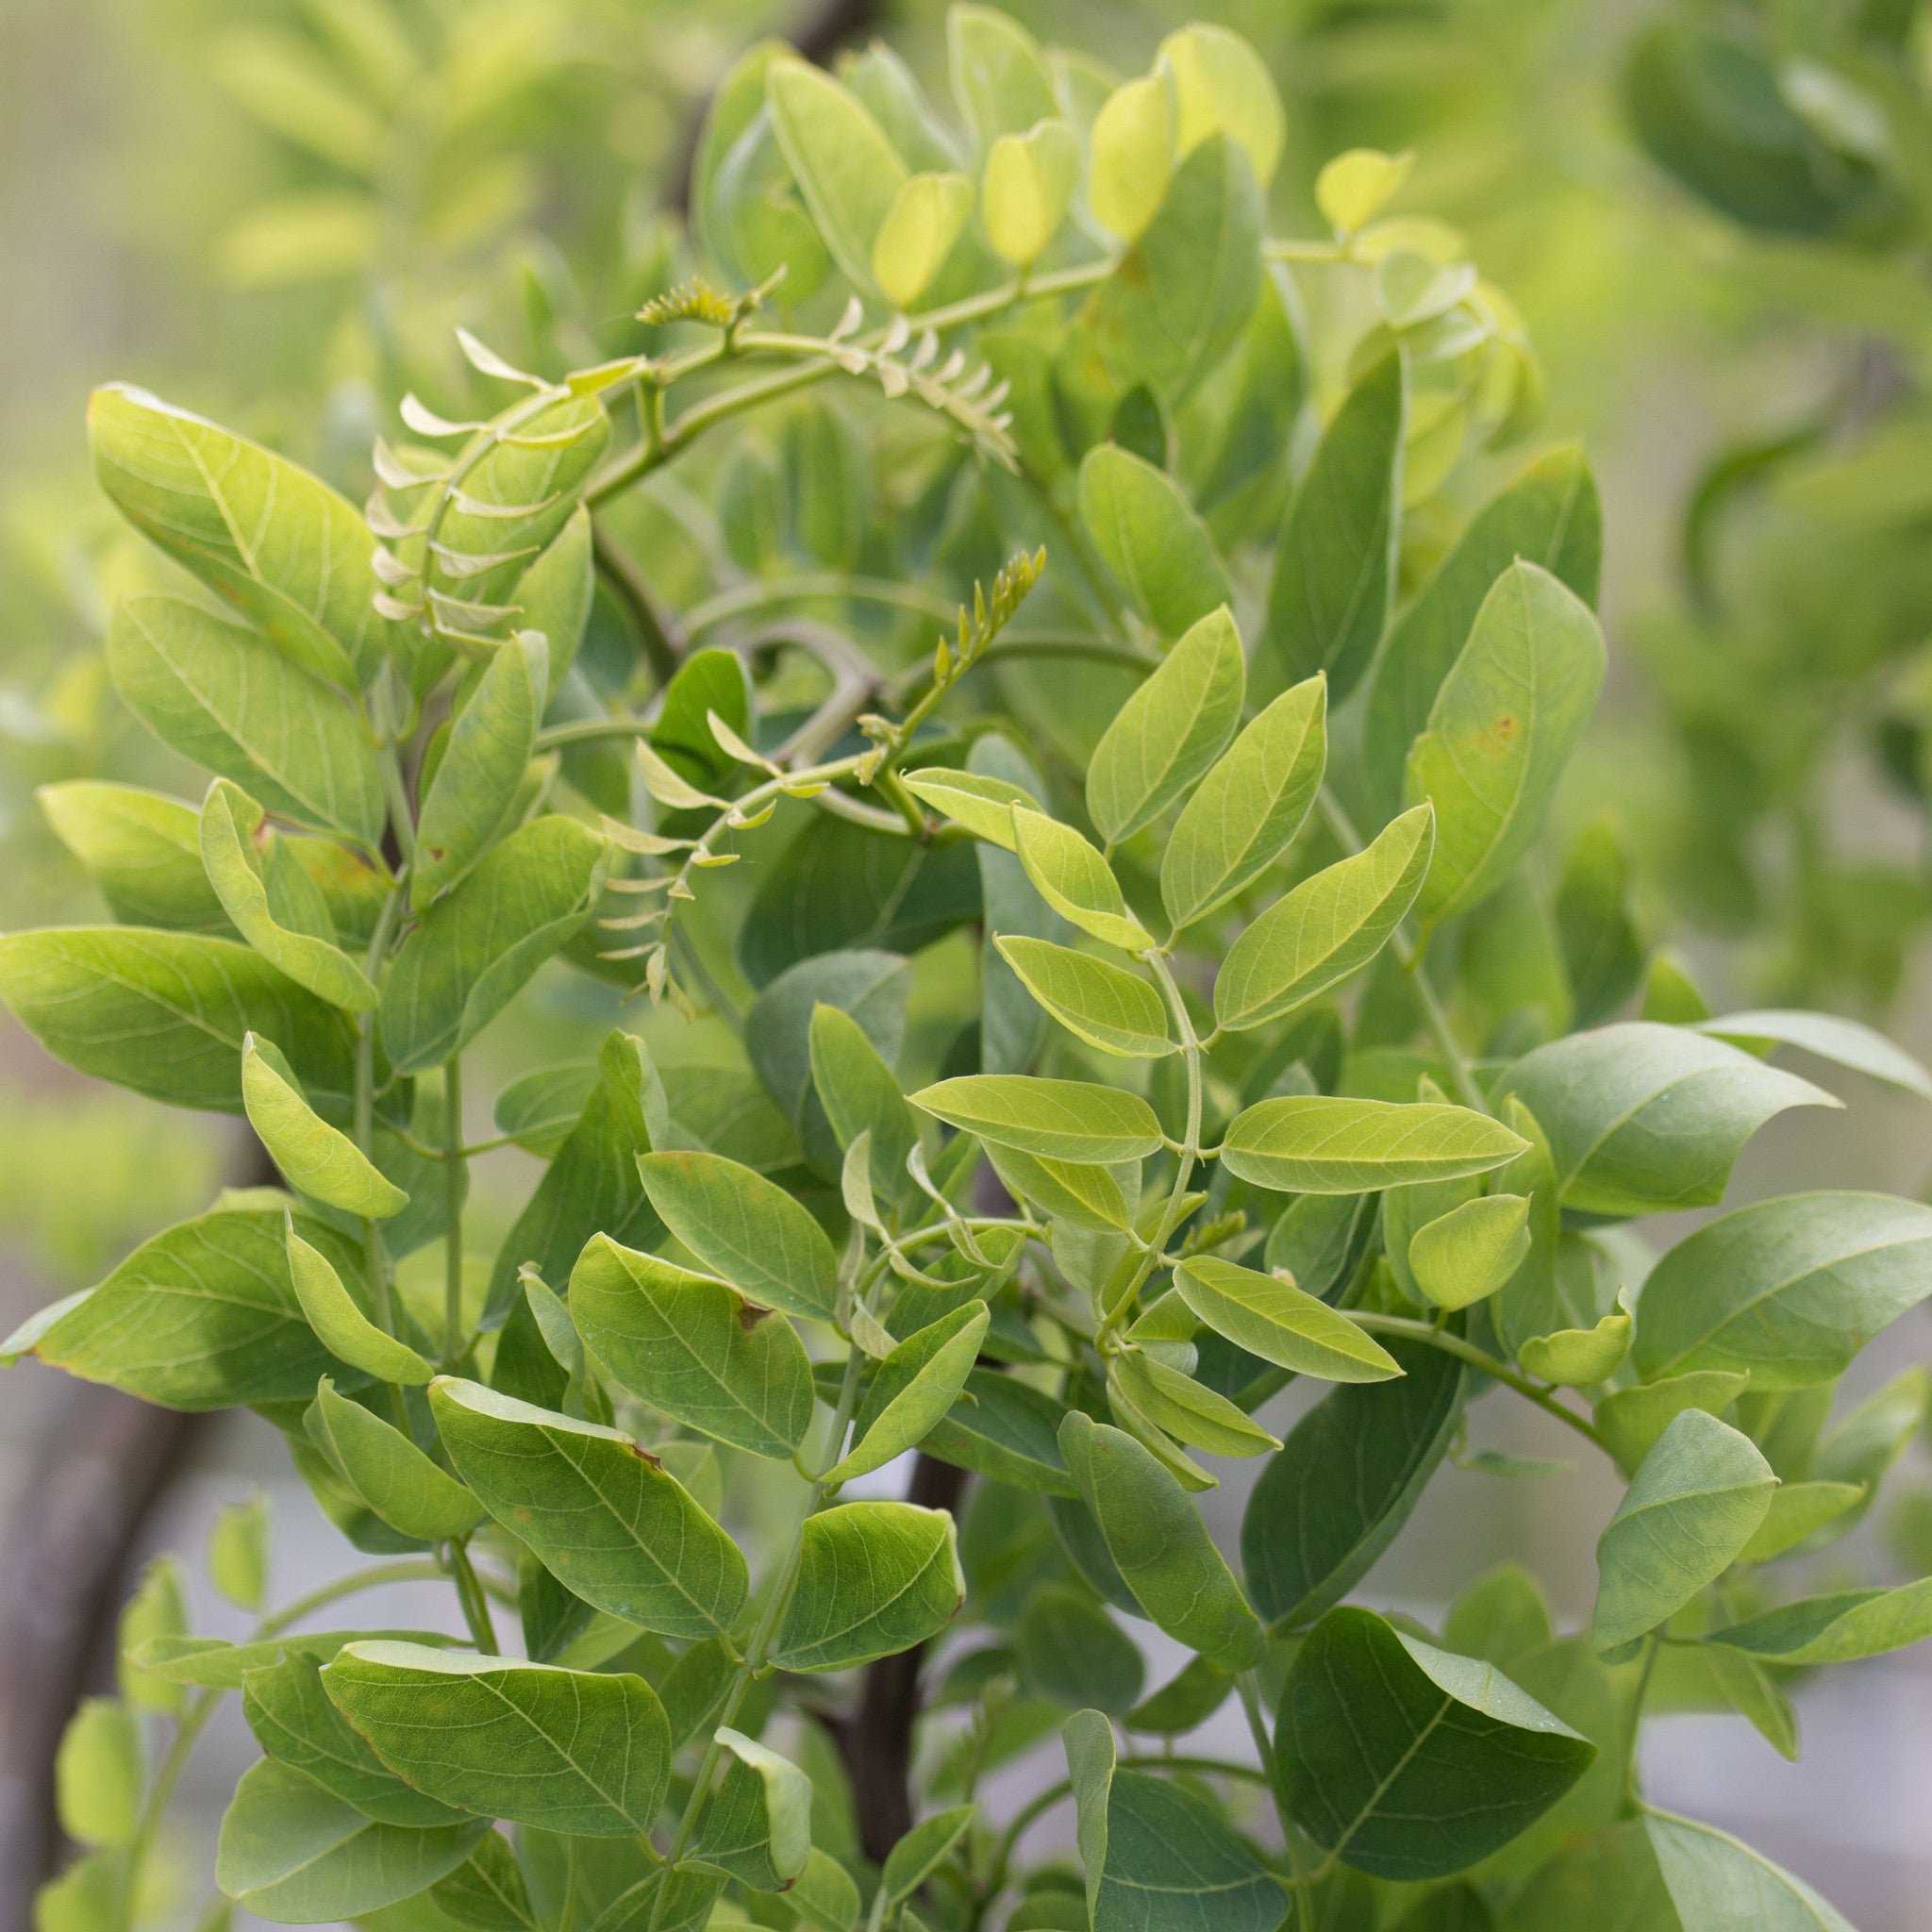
<point x="860" y="1095"/>
<point x="571" y="1751"/>
<point x="99" y="1772"/>
<point x="1833" y="1629"/>
<point x="1058" y="1120"/>
<point x="847" y="170"/>
<point x="216" y="1665"/>
<point x="1172" y="729"/>
<point x="755" y="1828"/>
<point x="142" y="849"/>
<point x="1798" y="1509"/>
<point x="1010" y="1026"/>
<point x="1154" y="544"/>
<point x="1642" y="1118"/>
<point x="538" y="1109"/>
<point x="1073" y="1653"/>
<point x="166" y="1013"/>
<point x="1315" y="1144"/>
<point x="1631" y="1420"/>
<point x="1065" y="1191"/>
<point x="1788" y="1290"/>
<point x="694" y="1348"/>
<point x="1469" y="1253"/>
<point x="1131" y="157"/>
<point x="1158" y="1857"/>
<point x="237" y="1552"/>
<point x="1183" y="1703"/>
<point x="157" y="1609"/>
<point x="338" y="1322"/>
<point x="272" y="901"/>
<point x="479" y="780"/>
<point x="227" y="699"/>
<point x="1007" y="1431"/>
<point x="1182" y="294"/>
<point x="1718" y="1885"/>
<point x="980" y="803"/>
<point x="322" y="1163"/>
<point x="1280" y="1322"/>
<point x="1321" y="1240"/>
<point x="926" y="217"/>
<point x="1024" y="189"/>
<point x="388" y="1471"/>
<point x="1549" y="515"/>
<point x="1248" y="808"/>
<point x="602" y="1514"/>
<point x="999" y="79"/>
<point x="204" y="1315"/>
<point x="476" y="948"/>
<point x="1103" y="1004"/>
<point x="1330" y="928"/>
<point x="1071" y="876"/>
<point x="519" y="492"/>
<point x="1348" y="1477"/>
<point x="486" y="1892"/>
<point x="295" y="1723"/>
<point x="825" y="1895"/>
<point x="1601" y="953"/>
<point x="1335" y="564"/>
<point x="912" y="1391"/>
<point x="1695" y="1501"/>
<point x="748" y="1229"/>
<point x="294" y="1853"/>
<point x="1844" y="1042"/>
<point x="1501" y="731"/>
<point x="592" y="1184"/>
<point x="923" y="1851"/>
<point x="1580" y="1358"/>
<point x="1158" y="1542"/>
<point x="278" y="544"/>
<point x="1382" y="1738"/>
<point x="873" y="1579"/>
<point x="1220" y="85"/>
<point x="1142" y="1386"/>
<point x="1500" y="1617"/>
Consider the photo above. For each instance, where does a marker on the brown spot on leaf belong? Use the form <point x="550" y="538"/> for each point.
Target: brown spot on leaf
<point x="750" y="1315"/>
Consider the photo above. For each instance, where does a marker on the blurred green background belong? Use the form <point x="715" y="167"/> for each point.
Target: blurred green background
<point x="1711" y="217"/>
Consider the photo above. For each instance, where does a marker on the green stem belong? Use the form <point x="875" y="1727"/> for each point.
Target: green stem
<point x="1190" y="1152"/>
<point x="470" y="1594"/>
<point x="1466" y="1351"/>
<point x="455" y="1174"/>
<point x="1633" y="1795"/>
<point x="647" y="456"/>
<point x="1409" y="955"/>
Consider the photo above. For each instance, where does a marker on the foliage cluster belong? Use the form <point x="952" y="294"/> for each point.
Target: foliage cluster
<point x="1263" y="1055"/>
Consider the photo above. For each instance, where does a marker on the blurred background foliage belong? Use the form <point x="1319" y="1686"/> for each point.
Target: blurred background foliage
<point x="1711" y="217"/>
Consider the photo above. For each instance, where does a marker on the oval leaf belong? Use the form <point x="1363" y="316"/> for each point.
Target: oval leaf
<point x="574" y="1751"/>
<point x="1501" y="731"/>
<point x="747" y="1228"/>
<point x="913" y="1389"/>
<point x="602" y="1514"/>
<point x="1159" y="550"/>
<point x="694" y="1348"/>
<point x="1694" y="1503"/>
<point x="1277" y="1322"/>
<point x="1315" y="1144"/>
<point x="1058" y="1120"/>
<point x="324" y="1164"/>
<point x="1330" y="928"/>
<point x="1382" y="1738"/>
<point x="1104" y="1005"/>
<point x="873" y="1579"/>
<point x="1248" y="808"/>
<point x="1071" y="876"/>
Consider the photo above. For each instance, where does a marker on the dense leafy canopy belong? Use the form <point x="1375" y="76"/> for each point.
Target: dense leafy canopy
<point x="1152" y="995"/>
